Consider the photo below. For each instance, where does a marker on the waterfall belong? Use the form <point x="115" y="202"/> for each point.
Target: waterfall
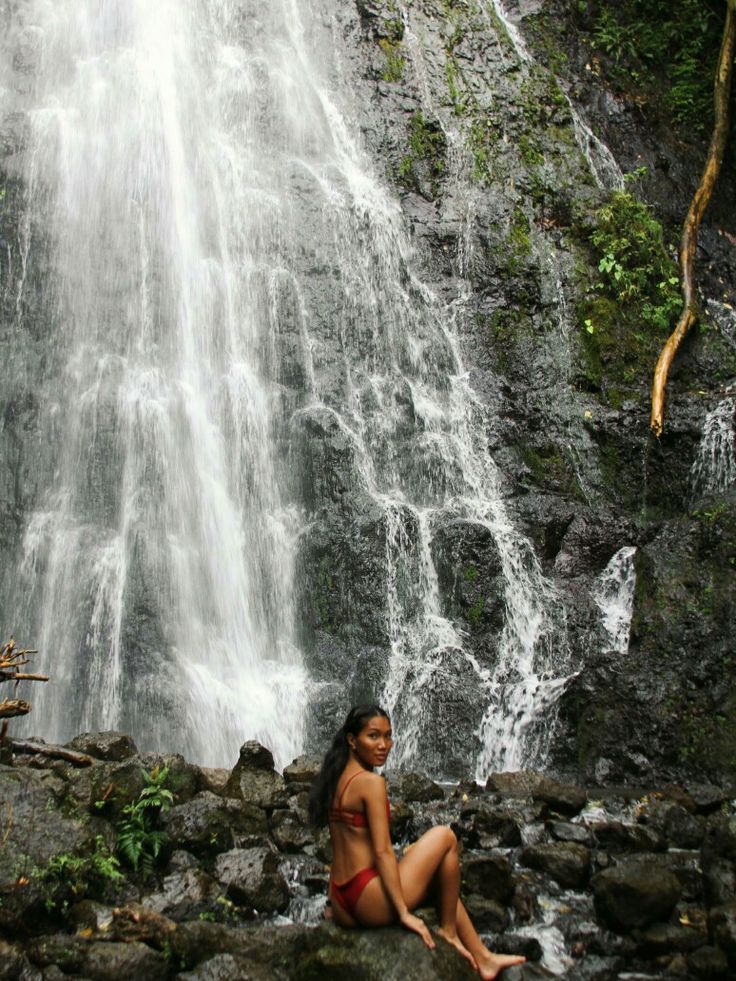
<point x="226" y="275"/>
<point x="158" y="563"/>
<point x="714" y="468"/>
<point x="614" y="596"/>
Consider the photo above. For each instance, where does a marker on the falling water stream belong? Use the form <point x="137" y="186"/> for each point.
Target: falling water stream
<point x="160" y="557"/>
<point x="224" y="266"/>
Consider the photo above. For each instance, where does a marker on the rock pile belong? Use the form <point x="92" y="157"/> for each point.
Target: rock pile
<point x="589" y="884"/>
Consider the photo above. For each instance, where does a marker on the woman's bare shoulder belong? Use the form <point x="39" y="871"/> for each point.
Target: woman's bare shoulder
<point x="373" y="785"/>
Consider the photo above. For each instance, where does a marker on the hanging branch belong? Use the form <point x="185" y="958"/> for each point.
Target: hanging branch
<point x="689" y="240"/>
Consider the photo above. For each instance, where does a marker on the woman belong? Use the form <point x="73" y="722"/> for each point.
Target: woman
<point x="368" y="886"/>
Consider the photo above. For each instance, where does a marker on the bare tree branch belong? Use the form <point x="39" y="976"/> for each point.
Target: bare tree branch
<point x="689" y="240"/>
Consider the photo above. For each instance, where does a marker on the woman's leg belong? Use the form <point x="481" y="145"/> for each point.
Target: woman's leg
<point x="432" y="865"/>
<point x="488" y="963"/>
<point x="432" y="861"/>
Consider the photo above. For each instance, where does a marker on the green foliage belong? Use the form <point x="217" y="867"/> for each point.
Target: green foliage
<point x="476" y="611"/>
<point x="395" y="61"/>
<point x="634" y="265"/>
<point x="69" y="876"/>
<point x="634" y="302"/>
<point x="667" y="50"/>
<point x="139" y="840"/>
<point x="427" y="146"/>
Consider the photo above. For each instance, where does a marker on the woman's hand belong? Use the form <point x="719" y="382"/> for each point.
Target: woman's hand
<point x="418" y="926"/>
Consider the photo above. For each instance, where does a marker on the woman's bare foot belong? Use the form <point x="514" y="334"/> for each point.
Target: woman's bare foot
<point x="453" y="939"/>
<point x="491" y="965"/>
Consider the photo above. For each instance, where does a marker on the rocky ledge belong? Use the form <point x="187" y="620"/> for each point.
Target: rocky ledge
<point x="589" y="883"/>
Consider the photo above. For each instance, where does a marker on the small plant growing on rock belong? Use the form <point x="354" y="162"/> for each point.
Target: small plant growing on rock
<point x="139" y="840"/>
<point x="69" y="877"/>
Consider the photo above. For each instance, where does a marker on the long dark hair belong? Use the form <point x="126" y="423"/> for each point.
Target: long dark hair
<point x="335" y="761"/>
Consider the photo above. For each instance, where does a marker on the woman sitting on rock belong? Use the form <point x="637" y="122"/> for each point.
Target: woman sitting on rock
<point x="368" y="886"/>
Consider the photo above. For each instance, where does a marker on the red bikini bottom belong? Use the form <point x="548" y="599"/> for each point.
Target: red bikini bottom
<point x="348" y="893"/>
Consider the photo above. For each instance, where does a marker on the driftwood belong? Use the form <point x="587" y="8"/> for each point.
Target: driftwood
<point x="12" y="707"/>
<point x="21" y="676"/>
<point x="55" y="752"/>
<point x="689" y="240"/>
<point x="11" y="661"/>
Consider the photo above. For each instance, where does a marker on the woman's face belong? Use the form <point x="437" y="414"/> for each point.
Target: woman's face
<point x="374" y="741"/>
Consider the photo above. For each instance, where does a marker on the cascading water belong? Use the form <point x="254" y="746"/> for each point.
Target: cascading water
<point x="614" y="596"/>
<point x="158" y="564"/>
<point x="227" y="275"/>
<point x="714" y="468"/>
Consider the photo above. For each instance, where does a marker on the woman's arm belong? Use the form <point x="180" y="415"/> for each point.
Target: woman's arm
<point x="375" y="800"/>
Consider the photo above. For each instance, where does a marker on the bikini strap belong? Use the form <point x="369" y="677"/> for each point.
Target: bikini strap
<point x="342" y="794"/>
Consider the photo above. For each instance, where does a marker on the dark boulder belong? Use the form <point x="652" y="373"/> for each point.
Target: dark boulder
<point x="489" y="876"/>
<point x="208" y="824"/>
<point x="289" y="831"/>
<point x="567" y="831"/>
<point x="675" y="824"/>
<point x="415" y="787"/>
<point x="666" y="938"/>
<point x="390" y="954"/>
<point x="98" y="960"/>
<point x="561" y="797"/>
<point x="718" y="856"/>
<point x="31" y="836"/>
<point x="119" y="784"/>
<point x="302" y="770"/>
<point x="213" y="779"/>
<point x="488" y="915"/>
<point x="13" y="963"/>
<point x="635" y="894"/>
<point x="485" y="824"/>
<point x="616" y="837"/>
<point x="113" y="746"/>
<point x="255" y="780"/>
<point x="708" y="962"/>
<point x="226" y="967"/>
<point x="185" y="895"/>
<point x="252" y="879"/>
<point x="722" y="925"/>
<point x="566" y="862"/>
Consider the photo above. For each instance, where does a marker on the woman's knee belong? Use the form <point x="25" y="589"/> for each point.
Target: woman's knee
<point x="444" y="834"/>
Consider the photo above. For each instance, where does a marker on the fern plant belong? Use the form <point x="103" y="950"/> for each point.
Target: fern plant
<point x="139" y="840"/>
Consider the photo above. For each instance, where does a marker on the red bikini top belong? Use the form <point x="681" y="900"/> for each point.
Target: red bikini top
<point x="355" y="818"/>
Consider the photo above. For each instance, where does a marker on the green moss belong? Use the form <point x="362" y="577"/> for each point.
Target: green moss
<point x="426" y="156"/>
<point x="322" y="598"/>
<point x="505" y="329"/>
<point x="549" y="468"/>
<point x="395" y="61"/>
<point x="475" y="612"/>
<point x="530" y="151"/>
<point x="470" y="574"/>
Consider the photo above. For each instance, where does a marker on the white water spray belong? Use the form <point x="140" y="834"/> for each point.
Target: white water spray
<point x="714" y="468"/>
<point x="158" y="566"/>
<point x="614" y="596"/>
